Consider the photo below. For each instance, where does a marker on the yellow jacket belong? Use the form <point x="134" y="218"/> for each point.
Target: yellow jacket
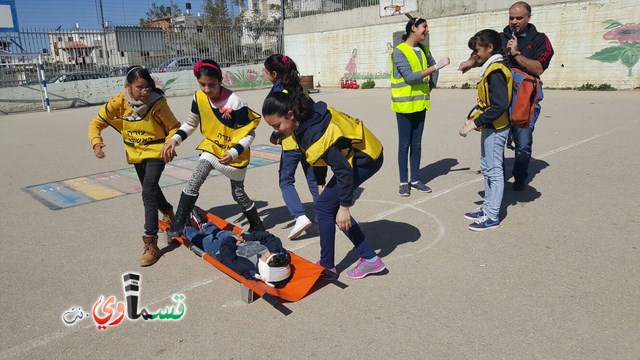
<point x="143" y="137"/>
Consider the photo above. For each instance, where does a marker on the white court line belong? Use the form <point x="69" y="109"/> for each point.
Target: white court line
<point x="16" y="350"/>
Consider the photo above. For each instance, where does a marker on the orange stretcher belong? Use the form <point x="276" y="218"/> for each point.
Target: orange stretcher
<point x="304" y="273"/>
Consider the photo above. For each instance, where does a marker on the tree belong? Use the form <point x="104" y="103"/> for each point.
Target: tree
<point x="216" y="12"/>
<point x="156" y="12"/>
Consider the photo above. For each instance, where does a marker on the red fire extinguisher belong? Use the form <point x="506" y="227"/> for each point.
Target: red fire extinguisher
<point x="341" y="83"/>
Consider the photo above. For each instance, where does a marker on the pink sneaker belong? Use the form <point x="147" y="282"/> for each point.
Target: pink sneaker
<point x="333" y="269"/>
<point x="364" y="268"/>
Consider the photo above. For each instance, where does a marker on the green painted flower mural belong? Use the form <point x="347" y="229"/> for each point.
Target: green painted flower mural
<point x="244" y="78"/>
<point x="627" y="48"/>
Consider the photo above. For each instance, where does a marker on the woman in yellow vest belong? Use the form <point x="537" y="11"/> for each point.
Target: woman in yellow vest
<point x="413" y="75"/>
<point x="491" y="117"/>
<point x="328" y="137"/>
<point x="228" y="126"/>
<point x="142" y="116"/>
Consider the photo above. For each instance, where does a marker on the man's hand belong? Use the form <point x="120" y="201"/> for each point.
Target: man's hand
<point x="467" y="64"/>
<point x="512" y="45"/>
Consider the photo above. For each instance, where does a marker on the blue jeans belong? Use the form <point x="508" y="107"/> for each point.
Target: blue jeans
<point x="327" y="207"/>
<point x="410" y="128"/>
<point x="209" y="239"/>
<point x="288" y="165"/>
<point x="492" y="167"/>
<point x="523" y="141"/>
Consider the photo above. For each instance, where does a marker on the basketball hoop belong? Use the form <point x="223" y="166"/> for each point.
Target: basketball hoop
<point x="396" y="9"/>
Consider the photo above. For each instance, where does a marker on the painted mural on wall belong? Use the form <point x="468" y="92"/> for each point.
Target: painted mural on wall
<point x="244" y="79"/>
<point x="375" y="70"/>
<point x="625" y="41"/>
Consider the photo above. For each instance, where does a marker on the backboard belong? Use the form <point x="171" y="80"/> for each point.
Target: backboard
<point x="8" y="16"/>
<point x="397" y="7"/>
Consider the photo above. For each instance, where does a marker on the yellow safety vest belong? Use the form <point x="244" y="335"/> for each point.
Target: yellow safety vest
<point x="484" y="101"/>
<point x="143" y="137"/>
<point x="405" y="98"/>
<point x="219" y="138"/>
<point x="342" y="125"/>
<point x="289" y="143"/>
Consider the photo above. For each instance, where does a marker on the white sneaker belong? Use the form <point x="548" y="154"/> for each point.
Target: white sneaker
<point x="302" y="224"/>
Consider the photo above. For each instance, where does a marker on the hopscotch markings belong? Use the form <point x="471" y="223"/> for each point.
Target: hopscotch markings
<point x="121" y="182"/>
<point x="92" y="188"/>
<point x="82" y="190"/>
<point x="57" y="196"/>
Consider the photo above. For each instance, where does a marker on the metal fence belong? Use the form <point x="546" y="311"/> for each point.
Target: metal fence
<point x="81" y="54"/>
<point x="301" y="8"/>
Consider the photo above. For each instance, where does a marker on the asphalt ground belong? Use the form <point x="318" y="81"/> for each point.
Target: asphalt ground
<point x="557" y="280"/>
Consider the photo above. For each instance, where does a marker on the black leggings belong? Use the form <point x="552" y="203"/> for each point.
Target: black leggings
<point x="149" y="172"/>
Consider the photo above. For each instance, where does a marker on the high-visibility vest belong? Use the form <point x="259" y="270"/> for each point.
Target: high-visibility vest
<point x="340" y="126"/>
<point x="143" y="137"/>
<point x="407" y="98"/>
<point x="218" y="137"/>
<point x="484" y="101"/>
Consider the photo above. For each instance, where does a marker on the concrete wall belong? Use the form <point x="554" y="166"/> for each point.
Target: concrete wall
<point x="98" y="91"/>
<point x="323" y="45"/>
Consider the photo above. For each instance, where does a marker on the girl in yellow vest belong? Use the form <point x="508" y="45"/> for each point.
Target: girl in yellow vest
<point x="228" y="126"/>
<point x="328" y="137"/>
<point x="491" y="117"/>
<point x="283" y="73"/>
<point x="414" y="74"/>
<point x="142" y="116"/>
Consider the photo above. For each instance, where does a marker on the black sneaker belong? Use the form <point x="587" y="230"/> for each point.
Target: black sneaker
<point x="420" y="186"/>
<point x="518" y="185"/>
<point x="405" y="190"/>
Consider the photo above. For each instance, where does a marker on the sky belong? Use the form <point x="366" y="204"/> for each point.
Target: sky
<point x="66" y="13"/>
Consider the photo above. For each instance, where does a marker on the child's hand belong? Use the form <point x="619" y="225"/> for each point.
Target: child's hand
<point x="470" y="125"/>
<point x="239" y="239"/>
<point x="97" y="150"/>
<point x="343" y="218"/>
<point x="169" y="151"/>
<point x="226" y="159"/>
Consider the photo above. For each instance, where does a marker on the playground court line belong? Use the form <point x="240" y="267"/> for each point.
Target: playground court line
<point x="16" y="350"/>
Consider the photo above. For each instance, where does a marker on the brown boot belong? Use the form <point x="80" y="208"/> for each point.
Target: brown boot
<point x="167" y="217"/>
<point x="151" y="252"/>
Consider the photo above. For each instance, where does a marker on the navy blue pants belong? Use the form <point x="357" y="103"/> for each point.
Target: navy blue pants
<point x="327" y="207"/>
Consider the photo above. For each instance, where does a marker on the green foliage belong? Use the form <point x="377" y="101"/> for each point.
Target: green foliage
<point x="465" y="86"/>
<point x="626" y="47"/>
<point x="591" y="87"/>
<point x="369" y="84"/>
<point x="156" y="12"/>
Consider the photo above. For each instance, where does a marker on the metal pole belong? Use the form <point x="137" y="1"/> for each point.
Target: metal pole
<point x="43" y="83"/>
<point x="104" y="36"/>
<point x="282" y="12"/>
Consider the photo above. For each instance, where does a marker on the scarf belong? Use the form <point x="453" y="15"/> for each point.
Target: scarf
<point x="141" y="107"/>
<point x="491" y="60"/>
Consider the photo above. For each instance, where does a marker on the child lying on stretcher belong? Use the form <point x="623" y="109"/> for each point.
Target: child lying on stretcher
<point x="254" y="255"/>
